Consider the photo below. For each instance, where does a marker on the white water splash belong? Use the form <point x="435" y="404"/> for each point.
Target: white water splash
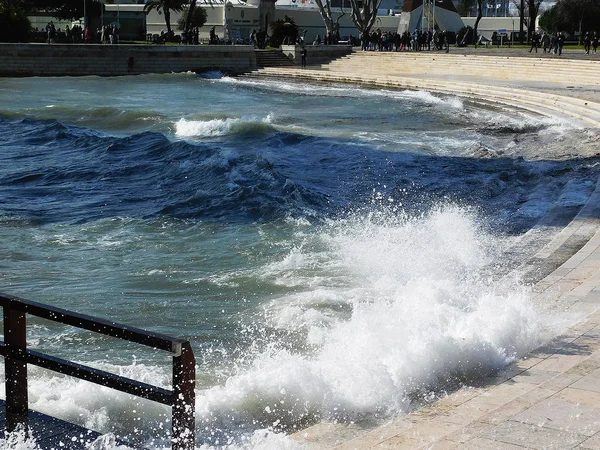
<point x="218" y="127"/>
<point x="393" y="312"/>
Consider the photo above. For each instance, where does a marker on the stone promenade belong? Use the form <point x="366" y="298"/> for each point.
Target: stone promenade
<point x="549" y="399"/>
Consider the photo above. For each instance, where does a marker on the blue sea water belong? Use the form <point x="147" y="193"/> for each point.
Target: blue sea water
<point x="332" y="252"/>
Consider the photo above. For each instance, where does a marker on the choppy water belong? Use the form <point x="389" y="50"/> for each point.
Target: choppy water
<point x="330" y="251"/>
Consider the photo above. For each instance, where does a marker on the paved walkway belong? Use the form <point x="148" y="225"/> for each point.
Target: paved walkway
<point x="549" y="399"/>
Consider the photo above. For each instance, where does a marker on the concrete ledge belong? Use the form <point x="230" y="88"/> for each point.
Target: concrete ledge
<point x="111" y="60"/>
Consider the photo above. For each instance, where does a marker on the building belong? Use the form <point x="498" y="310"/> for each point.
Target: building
<point x="236" y="19"/>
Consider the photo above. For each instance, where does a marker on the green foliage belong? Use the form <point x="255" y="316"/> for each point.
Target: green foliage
<point x="549" y="20"/>
<point x="465" y="36"/>
<point x="572" y="16"/>
<point x="282" y="29"/>
<point x="165" y="7"/>
<point x="14" y="24"/>
<point x="199" y="18"/>
<point x="465" y="7"/>
<point x="63" y="9"/>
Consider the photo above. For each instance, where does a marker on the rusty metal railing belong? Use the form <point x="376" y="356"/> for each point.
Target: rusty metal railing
<point x="14" y="349"/>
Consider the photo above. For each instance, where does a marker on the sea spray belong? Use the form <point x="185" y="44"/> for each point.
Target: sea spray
<point x="396" y="315"/>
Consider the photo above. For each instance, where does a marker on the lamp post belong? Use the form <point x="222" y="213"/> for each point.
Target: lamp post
<point x="84" y="17"/>
<point x="433" y="24"/>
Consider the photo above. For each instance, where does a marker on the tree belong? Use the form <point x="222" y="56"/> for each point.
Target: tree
<point x="529" y="10"/>
<point x="571" y="16"/>
<point x="549" y="20"/>
<point x="364" y="13"/>
<point x="332" y="25"/>
<point x="61" y="9"/>
<point x="188" y="21"/>
<point x="165" y="7"/>
<point x="65" y="9"/>
<point x="479" y="16"/>
<point x="14" y="24"/>
<point x="283" y="30"/>
<point x="465" y="7"/>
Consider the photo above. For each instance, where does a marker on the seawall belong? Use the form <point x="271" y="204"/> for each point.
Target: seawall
<point x="19" y="60"/>
<point x="24" y="60"/>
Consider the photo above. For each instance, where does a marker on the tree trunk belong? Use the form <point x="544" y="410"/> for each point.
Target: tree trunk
<point x="479" y="15"/>
<point x="533" y="12"/>
<point x="364" y="18"/>
<point x="188" y="20"/>
<point x="168" y="22"/>
<point x="325" y="10"/>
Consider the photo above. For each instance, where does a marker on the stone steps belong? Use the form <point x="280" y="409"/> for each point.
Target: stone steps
<point x="441" y="65"/>
<point x="542" y="252"/>
<point x="272" y="58"/>
<point x="581" y="112"/>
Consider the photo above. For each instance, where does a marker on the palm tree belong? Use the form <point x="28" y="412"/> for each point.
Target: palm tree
<point x="165" y="6"/>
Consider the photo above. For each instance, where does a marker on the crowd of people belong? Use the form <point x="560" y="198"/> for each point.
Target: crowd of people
<point x="376" y="40"/>
<point x="549" y="43"/>
<point x="417" y="41"/>
<point x="108" y="34"/>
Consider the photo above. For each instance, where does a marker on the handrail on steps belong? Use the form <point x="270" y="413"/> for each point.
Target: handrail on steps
<point x="14" y="349"/>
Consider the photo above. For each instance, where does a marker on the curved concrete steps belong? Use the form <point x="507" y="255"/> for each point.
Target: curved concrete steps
<point x="547" y="69"/>
<point x="582" y="112"/>
<point x="541" y="255"/>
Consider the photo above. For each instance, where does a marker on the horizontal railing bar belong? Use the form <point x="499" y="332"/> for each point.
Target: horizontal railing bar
<point x="100" y="377"/>
<point x="89" y="323"/>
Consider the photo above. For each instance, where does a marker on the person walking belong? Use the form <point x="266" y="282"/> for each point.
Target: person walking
<point x="535" y="42"/>
<point x="303" y="56"/>
<point x="545" y="42"/>
<point x="587" y="43"/>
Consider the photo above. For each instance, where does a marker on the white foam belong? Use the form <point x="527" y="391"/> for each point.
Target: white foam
<point x="394" y="310"/>
<point x="386" y="311"/>
<point x="216" y="127"/>
<point x="348" y="90"/>
<point x="18" y="440"/>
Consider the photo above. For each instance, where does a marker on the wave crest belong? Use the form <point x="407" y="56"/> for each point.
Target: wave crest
<point x="222" y="127"/>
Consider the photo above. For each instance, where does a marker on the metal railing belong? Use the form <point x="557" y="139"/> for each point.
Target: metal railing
<point x="14" y="349"/>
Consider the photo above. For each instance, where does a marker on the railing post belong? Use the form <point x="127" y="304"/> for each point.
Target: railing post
<point x="15" y="368"/>
<point x="184" y="405"/>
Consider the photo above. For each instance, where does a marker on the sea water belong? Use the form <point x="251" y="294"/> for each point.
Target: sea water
<point x="333" y="253"/>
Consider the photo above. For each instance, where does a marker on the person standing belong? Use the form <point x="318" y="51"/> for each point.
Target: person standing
<point x="303" y="56"/>
<point x="560" y="41"/>
<point x="87" y="35"/>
